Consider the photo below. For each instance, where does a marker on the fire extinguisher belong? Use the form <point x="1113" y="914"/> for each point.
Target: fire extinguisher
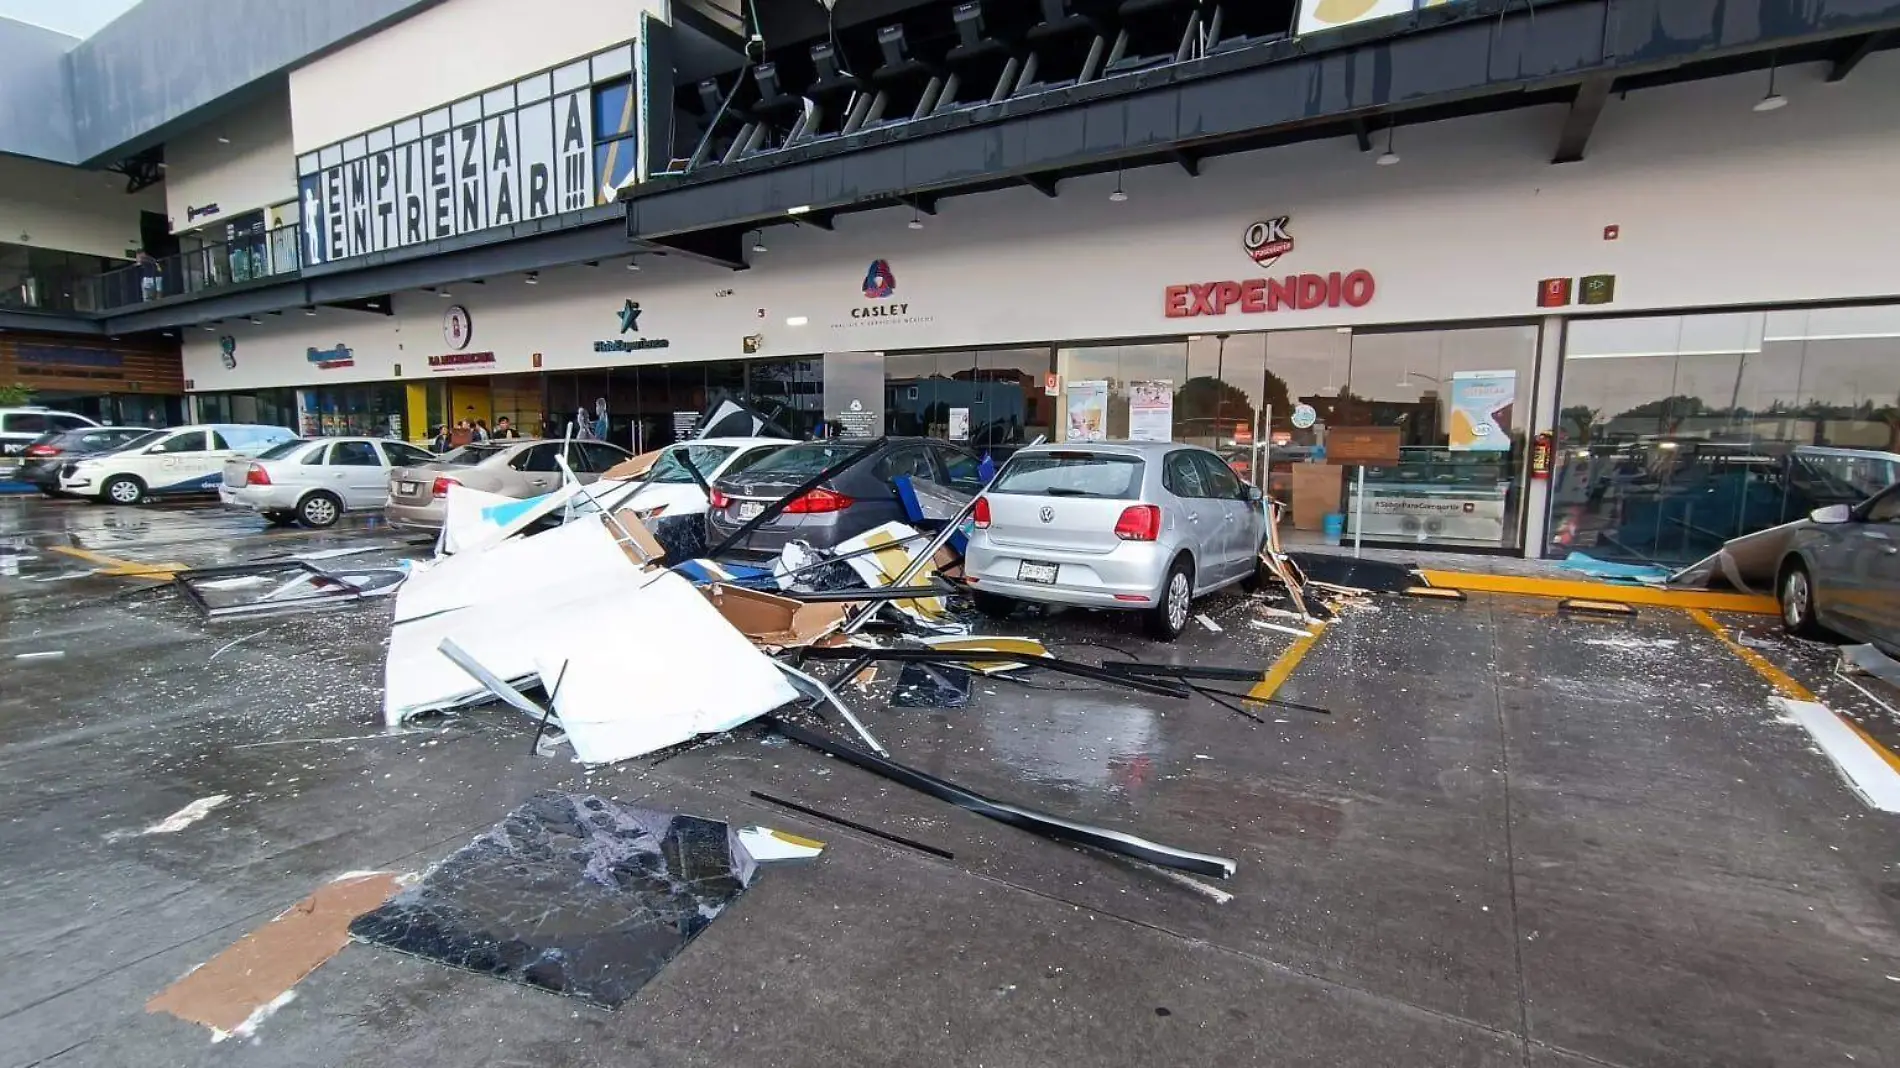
<point x="1543" y="451"/>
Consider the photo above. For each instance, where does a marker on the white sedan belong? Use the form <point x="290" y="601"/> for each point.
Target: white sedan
<point x="316" y="481"/>
<point x="669" y="489"/>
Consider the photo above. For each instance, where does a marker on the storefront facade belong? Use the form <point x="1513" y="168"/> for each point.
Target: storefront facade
<point x="109" y="381"/>
<point x="1458" y="297"/>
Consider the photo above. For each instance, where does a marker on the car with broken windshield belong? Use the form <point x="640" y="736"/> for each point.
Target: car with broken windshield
<point x="418" y="493"/>
<point x="1137" y="526"/>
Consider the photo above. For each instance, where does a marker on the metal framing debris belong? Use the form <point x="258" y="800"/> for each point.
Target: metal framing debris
<point x="844" y="709"/>
<point x="908" y="843"/>
<point x="880" y="593"/>
<point x="342" y="591"/>
<point x="1025" y="819"/>
<point x="954" y="657"/>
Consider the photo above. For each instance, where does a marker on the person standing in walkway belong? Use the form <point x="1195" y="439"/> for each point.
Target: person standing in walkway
<point x="481" y="430"/>
<point x="441" y="443"/>
<point x="505" y="430"/>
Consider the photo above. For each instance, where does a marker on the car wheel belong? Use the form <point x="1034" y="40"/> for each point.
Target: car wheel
<point x="124" y="489"/>
<point x="1795" y="591"/>
<point x="1169" y="618"/>
<point x="995" y="605"/>
<point x="320" y="510"/>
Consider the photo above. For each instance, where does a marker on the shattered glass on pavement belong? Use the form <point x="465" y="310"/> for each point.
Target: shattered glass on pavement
<point x="931" y="686"/>
<point x="570" y="893"/>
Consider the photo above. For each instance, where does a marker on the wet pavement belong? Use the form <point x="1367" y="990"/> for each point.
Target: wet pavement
<point x="1518" y="838"/>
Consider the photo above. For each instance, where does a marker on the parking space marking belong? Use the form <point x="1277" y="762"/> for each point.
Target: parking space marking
<point x="1276" y="675"/>
<point x="113" y="567"/>
<point x="1523" y="586"/>
<point x="1785" y="684"/>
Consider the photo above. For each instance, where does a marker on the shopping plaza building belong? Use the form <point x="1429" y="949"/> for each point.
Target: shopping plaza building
<point x="1620" y="274"/>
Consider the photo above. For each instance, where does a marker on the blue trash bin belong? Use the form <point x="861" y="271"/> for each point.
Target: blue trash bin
<point x="1334" y="527"/>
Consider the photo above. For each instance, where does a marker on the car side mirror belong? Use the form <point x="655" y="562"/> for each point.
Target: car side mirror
<point x="153" y="450"/>
<point x="1251" y="493"/>
<point x="1832" y="515"/>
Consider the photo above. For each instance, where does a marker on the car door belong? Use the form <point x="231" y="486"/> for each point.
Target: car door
<point x="961" y="471"/>
<point x="1876" y="554"/>
<point x="537" y="470"/>
<point x="179" y="464"/>
<point x="597" y="458"/>
<point x="1224" y="493"/>
<point x="354" y="471"/>
<point x="1183" y="477"/>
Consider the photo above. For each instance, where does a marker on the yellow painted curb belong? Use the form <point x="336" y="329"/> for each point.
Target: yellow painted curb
<point x="1750" y="603"/>
<point x="1785" y="684"/>
<point x="1277" y="675"/>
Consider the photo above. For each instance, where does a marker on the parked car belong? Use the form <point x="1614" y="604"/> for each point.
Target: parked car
<point x="186" y="459"/>
<point x="315" y="482"/>
<point x="49" y="452"/>
<point x="1146" y="526"/>
<point x="861" y="498"/>
<point x="670" y="488"/>
<point x="1842" y="572"/>
<point x="418" y="492"/>
<point x="21" y="427"/>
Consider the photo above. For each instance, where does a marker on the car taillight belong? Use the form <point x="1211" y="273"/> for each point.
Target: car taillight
<point x="255" y="475"/>
<point x="981" y="513"/>
<point x="41" y="450"/>
<point x="1139" y="522"/>
<point x="441" y="487"/>
<point x="719" y="500"/>
<point x="818" y="501"/>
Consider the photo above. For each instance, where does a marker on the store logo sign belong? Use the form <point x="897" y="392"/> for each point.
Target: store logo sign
<point x="193" y="214"/>
<point x="227" y="350"/>
<point x="879" y="282"/>
<point x="1266" y="241"/>
<point x="458" y="327"/>
<point x="339" y="355"/>
<point x="630" y="324"/>
<point x="453" y="361"/>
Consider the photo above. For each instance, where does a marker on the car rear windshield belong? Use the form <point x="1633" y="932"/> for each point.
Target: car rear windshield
<point x="802" y="461"/>
<point x="283" y="449"/>
<point x="1072" y="474"/>
<point x="704" y="459"/>
<point x="470" y="455"/>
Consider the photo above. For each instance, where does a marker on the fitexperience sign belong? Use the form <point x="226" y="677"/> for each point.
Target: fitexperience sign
<point x="513" y="154"/>
<point x="1265" y="243"/>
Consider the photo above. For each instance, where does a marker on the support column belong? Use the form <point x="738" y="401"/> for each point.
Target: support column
<point x="1536" y="496"/>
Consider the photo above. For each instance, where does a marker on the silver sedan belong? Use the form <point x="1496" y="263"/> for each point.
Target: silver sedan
<point x="315" y="482"/>
<point x="418" y="495"/>
<point x="1143" y="526"/>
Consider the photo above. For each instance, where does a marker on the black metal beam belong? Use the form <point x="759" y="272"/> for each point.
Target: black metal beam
<point x="819" y="219"/>
<point x="1592" y="94"/>
<point x="1362" y="134"/>
<point x="721" y="248"/>
<point x="1857" y="49"/>
<point x="922" y="202"/>
<point x="1042" y="183"/>
<point x="1188" y="162"/>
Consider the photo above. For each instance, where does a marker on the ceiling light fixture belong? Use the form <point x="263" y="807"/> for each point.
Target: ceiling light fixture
<point x="916" y="220"/>
<point x="224" y="140"/>
<point x="797" y="320"/>
<point x="443" y="293"/>
<point x="375" y="306"/>
<point x="800" y="210"/>
<point x="1388" y="157"/>
<point x="209" y="329"/>
<point x="534" y="278"/>
<point x="759" y="244"/>
<point x="255" y="321"/>
<point x="310" y="311"/>
<point x="1118" y="196"/>
<point x="1773" y="101"/>
<point x="633" y="264"/>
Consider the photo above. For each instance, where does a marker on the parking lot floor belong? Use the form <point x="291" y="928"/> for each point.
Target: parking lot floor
<point x="1515" y="838"/>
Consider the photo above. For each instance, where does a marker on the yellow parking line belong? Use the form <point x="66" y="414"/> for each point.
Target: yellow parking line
<point x="113" y="567"/>
<point x="1276" y="675"/>
<point x="1785" y="683"/>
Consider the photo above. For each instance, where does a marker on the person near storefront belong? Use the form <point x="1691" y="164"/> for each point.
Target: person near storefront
<point x="505" y="430"/>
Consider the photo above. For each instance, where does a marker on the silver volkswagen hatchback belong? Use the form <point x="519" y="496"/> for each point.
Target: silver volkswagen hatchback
<point x="1145" y="526"/>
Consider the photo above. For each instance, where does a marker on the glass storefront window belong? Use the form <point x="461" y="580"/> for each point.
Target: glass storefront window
<point x="1677" y="433"/>
<point x="1121" y="366"/>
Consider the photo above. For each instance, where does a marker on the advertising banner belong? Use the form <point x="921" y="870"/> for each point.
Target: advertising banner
<point x="1088" y="411"/>
<point x="1481" y="410"/>
<point x="1151" y="411"/>
<point x="1317" y="15"/>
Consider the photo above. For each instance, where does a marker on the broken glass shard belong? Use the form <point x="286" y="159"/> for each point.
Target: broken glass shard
<point x="571" y="893"/>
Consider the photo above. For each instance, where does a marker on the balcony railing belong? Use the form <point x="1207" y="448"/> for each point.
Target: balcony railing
<point x="269" y="254"/>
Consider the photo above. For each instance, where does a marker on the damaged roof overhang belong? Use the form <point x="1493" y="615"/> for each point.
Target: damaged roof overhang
<point x="1441" y="62"/>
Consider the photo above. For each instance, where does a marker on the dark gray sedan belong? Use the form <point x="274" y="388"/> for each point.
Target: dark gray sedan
<point x="1842" y="572"/>
<point x="41" y="461"/>
<point x="862" y="497"/>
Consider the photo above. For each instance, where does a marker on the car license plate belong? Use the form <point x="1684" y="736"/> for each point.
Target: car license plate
<point x="749" y="510"/>
<point x="409" y="489"/>
<point x="1031" y="571"/>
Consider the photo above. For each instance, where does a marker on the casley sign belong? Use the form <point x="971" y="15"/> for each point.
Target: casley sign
<point x="1265" y="242"/>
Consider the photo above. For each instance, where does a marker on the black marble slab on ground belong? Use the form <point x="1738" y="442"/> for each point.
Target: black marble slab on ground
<point x="571" y="893"/>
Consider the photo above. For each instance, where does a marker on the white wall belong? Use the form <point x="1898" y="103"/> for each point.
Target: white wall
<point x="1716" y="205"/>
<point x="446" y="53"/>
<point x="50" y="206"/>
<point x="255" y="170"/>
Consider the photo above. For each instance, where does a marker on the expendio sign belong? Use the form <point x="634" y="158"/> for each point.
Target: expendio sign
<point x="1265" y="242"/>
